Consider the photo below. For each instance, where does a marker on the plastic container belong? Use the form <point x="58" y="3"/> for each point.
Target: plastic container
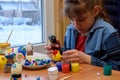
<point x="75" y="67"/>
<point x="59" y="66"/>
<point x="65" y="67"/>
<point x="107" y="70"/>
<point x="53" y="73"/>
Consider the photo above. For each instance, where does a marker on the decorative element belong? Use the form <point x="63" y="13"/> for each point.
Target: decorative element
<point x="56" y="56"/>
<point x="22" y="50"/>
<point x="16" y="70"/>
<point x="29" y="49"/>
<point x="3" y="47"/>
<point x="9" y="54"/>
<point x="3" y="61"/>
<point x="19" y="57"/>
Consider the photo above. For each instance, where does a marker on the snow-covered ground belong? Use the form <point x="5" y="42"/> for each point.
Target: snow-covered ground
<point x="24" y="28"/>
<point x="22" y="34"/>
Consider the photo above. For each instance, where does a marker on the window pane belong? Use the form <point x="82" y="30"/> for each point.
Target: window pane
<point x="25" y="18"/>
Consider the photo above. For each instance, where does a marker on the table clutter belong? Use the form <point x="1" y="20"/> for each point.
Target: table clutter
<point x="14" y="62"/>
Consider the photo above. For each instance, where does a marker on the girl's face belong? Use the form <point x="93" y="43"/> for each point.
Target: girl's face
<point x="84" y="22"/>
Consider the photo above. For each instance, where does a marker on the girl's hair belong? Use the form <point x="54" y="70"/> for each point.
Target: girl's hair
<point x="75" y="8"/>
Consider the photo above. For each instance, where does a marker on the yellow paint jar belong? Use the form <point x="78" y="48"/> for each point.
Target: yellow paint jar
<point x="75" y="67"/>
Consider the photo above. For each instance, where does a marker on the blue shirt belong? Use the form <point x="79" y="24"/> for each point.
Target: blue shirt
<point x="102" y="43"/>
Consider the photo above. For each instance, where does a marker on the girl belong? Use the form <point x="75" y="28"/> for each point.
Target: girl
<point x="90" y="38"/>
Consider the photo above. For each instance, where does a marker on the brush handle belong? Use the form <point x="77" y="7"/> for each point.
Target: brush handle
<point x="9" y="36"/>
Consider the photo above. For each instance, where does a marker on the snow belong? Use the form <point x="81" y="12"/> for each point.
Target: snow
<point x="16" y="0"/>
<point x="21" y="35"/>
<point x="24" y="30"/>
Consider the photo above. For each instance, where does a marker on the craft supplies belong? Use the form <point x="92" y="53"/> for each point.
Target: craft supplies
<point x="9" y="36"/>
<point x="75" y="67"/>
<point x="3" y="61"/>
<point x="16" y="70"/>
<point x="53" y="73"/>
<point x="107" y="70"/>
<point x="56" y="55"/>
<point x="65" y="67"/>
<point x="59" y="66"/>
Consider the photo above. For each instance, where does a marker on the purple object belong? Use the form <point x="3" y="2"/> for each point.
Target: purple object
<point x="59" y="66"/>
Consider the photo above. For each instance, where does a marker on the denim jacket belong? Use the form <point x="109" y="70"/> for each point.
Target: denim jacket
<point x="102" y="43"/>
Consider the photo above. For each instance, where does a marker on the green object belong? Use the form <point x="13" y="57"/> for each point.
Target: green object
<point x="107" y="70"/>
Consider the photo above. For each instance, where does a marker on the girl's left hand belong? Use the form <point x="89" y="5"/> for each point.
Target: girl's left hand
<point x="76" y="56"/>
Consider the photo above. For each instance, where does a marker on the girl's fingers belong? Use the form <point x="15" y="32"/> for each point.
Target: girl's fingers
<point x="68" y="52"/>
<point x="72" y="60"/>
<point x="47" y="47"/>
<point x="55" y="45"/>
<point x="70" y="56"/>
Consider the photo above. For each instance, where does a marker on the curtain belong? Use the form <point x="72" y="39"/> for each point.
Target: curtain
<point x="60" y="21"/>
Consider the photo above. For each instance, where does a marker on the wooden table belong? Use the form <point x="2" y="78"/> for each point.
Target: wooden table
<point x="88" y="72"/>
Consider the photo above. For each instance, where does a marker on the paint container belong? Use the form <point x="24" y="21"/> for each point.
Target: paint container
<point x="59" y="66"/>
<point x="75" y="67"/>
<point x="53" y="73"/>
<point x="107" y="70"/>
<point x="65" y="67"/>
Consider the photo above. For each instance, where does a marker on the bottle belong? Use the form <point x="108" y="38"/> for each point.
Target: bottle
<point x="29" y="49"/>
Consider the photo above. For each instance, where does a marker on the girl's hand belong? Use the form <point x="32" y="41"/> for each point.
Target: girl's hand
<point x="51" y="47"/>
<point x="76" y="56"/>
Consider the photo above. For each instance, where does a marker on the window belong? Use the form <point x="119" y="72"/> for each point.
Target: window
<point x="30" y="21"/>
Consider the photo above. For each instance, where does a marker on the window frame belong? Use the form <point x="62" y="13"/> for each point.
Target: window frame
<point x="48" y="25"/>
